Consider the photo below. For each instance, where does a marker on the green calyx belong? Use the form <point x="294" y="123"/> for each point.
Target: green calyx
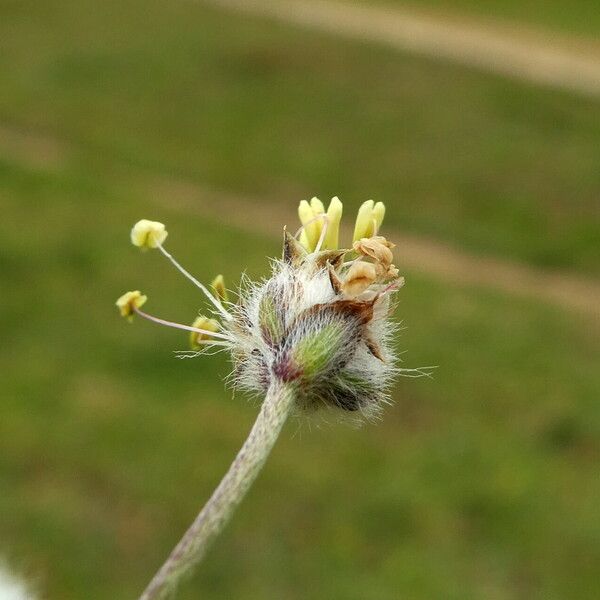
<point x="318" y="351"/>
<point x="270" y="320"/>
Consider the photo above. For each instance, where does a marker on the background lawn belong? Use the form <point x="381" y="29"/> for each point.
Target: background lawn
<point x="479" y="484"/>
<point x="251" y="106"/>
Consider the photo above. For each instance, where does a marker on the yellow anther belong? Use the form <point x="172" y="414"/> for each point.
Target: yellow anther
<point x="304" y="240"/>
<point x="206" y="324"/>
<point x="369" y="219"/>
<point x="129" y="301"/>
<point x="317" y="206"/>
<point x="148" y="234"/>
<point x="311" y="217"/>
<point x="378" y="214"/>
<point x="311" y="226"/>
<point x="218" y="285"/>
<point x="364" y="221"/>
<point x="334" y="216"/>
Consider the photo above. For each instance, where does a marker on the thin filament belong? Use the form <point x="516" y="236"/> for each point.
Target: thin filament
<point x="320" y="216"/>
<point x="323" y="232"/>
<point x="375" y="227"/>
<point x="203" y="288"/>
<point x="184" y="327"/>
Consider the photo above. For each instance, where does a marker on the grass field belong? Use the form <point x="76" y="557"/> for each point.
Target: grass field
<point x="481" y="483"/>
<point x="249" y="106"/>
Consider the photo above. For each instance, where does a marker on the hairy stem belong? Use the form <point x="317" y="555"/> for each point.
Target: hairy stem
<point x="224" y="500"/>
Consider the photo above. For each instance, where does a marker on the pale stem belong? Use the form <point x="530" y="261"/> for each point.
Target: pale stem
<point x="159" y="321"/>
<point x="323" y="233"/>
<point x="202" y="287"/>
<point x="230" y="492"/>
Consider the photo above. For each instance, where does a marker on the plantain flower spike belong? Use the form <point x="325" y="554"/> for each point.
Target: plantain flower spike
<point x="319" y="323"/>
<point x="148" y="234"/>
<point x="129" y="302"/>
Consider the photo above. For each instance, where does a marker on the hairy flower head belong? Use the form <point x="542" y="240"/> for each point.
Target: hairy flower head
<point x="319" y="323"/>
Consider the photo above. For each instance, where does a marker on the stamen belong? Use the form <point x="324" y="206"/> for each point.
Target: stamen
<point x="334" y="214"/>
<point x="378" y="214"/>
<point x="307" y="213"/>
<point x="222" y="336"/>
<point x="375" y="227"/>
<point x="323" y="232"/>
<point x="199" y="285"/>
<point x="303" y="227"/>
<point x="321" y="237"/>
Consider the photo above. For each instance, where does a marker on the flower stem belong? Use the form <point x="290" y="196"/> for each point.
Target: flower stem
<point x="230" y="492"/>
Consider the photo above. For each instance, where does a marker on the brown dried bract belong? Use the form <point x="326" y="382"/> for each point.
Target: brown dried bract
<point x="359" y="277"/>
<point x="293" y="251"/>
<point x="377" y="248"/>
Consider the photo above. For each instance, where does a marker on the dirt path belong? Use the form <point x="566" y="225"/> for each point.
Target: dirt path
<point x="519" y="53"/>
<point x="413" y="252"/>
<point x="32" y="149"/>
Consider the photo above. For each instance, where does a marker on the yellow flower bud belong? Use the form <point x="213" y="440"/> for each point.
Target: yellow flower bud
<point x="148" y="234"/>
<point x="317" y="206"/>
<point x="334" y="215"/>
<point x="311" y="226"/>
<point x="218" y="285"/>
<point x="304" y="240"/>
<point x="129" y="301"/>
<point x="369" y="219"/>
<point x="364" y="221"/>
<point x="378" y="214"/>
<point x="202" y="323"/>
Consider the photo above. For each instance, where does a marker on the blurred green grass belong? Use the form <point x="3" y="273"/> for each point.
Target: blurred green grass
<point x="252" y="106"/>
<point x="481" y="483"/>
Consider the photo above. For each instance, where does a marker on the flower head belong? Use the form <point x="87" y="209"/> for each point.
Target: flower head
<point x="319" y="323"/>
